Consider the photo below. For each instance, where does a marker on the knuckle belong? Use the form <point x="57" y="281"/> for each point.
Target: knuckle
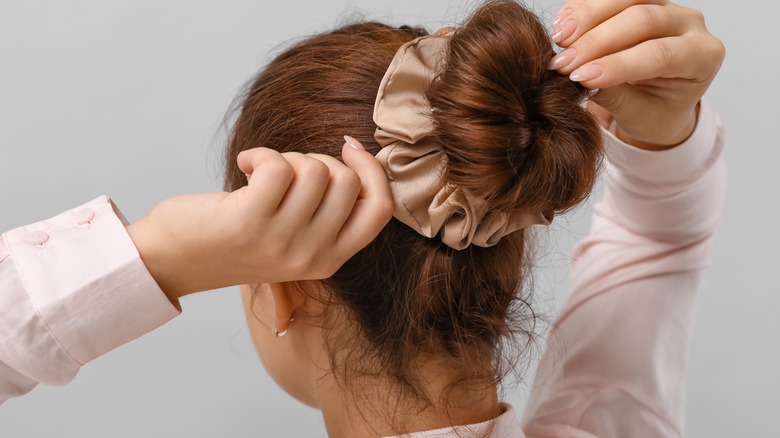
<point x="663" y="53"/>
<point x="279" y="169"/>
<point x="645" y="16"/>
<point x="345" y="179"/>
<point x="695" y="15"/>
<point x="300" y="263"/>
<point x="718" y="49"/>
<point x="385" y="208"/>
<point x="350" y="180"/>
<point x="331" y="267"/>
<point x="711" y="55"/>
<point x="299" y="268"/>
<point x="318" y="266"/>
<point x="275" y="247"/>
<point x="315" y="169"/>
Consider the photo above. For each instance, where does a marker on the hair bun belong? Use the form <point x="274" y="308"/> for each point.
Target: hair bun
<point x="514" y="132"/>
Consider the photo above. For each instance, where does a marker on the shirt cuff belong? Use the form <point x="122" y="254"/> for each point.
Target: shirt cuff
<point x="86" y="281"/>
<point x="684" y="162"/>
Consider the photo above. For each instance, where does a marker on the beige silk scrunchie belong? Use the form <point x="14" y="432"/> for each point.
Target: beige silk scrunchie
<point x="415" y="162"/>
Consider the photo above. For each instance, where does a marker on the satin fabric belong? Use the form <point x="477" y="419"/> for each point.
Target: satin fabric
<point x="415" y="163"/>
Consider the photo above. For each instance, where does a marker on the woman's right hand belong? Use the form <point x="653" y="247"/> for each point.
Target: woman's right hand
<point x="300" y="217"/>
<point x="653" y="60"/>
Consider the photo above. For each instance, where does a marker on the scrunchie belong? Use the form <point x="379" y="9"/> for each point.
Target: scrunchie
<point x="415" y="162"/>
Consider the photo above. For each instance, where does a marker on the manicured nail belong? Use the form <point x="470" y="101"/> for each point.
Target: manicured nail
<point x="587" y="72"/>
<point x="562" y="59"/>
<point x="354" y="144"/>
<point x="563" y="31"/>
<point x="593" y="92"/>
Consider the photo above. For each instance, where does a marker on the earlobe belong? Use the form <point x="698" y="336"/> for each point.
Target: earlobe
<point x="283" y="307"/>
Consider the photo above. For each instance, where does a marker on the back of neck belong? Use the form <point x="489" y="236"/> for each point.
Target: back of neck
<point x="375" y="406"/>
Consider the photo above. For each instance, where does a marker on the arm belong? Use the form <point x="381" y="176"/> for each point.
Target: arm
<point x="71" y="289"/>
<point x="615" y="362"/>
<point x="81" y="284"/>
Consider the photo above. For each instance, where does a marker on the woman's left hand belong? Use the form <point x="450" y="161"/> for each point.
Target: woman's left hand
<point x="300" y="217"/>
<point x="652" y="61"/>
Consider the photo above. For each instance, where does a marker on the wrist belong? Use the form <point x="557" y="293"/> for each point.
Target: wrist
<point x="150" y="246"/>
<point x="687" y="125"/>
<point x="185" y="247"/>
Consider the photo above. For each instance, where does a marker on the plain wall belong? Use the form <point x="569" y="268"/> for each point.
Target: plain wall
<point x="125" y="98"/>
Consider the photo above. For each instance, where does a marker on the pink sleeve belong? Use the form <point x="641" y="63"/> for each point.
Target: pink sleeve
<point x="71" y="289"/>
<point x="615" y="360"/>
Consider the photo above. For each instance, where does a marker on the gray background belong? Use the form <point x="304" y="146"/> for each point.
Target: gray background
<point x="125" y="99"/>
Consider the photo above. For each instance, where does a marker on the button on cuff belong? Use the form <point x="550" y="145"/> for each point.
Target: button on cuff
<point x="37" y="237"/>
<point x="85" y="216"/>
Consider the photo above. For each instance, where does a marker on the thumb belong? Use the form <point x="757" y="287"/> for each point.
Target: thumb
<point x="374" y="206"/>
<point x="373" y="179"/>
<point x="361" y="161"/>
<point x="627" y="106"/>
<point x="603" y="116"/>
<point x="609" y="100"/>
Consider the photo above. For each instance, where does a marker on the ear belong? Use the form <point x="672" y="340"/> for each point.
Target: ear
<point x="284" y="305"/>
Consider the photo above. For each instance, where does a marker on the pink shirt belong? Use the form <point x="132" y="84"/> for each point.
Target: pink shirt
<point x="71" y="289"/>
<point x="615" y="361"/>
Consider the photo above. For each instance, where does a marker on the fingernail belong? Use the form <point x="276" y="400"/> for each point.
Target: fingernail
<point x="562" y="59"/>
<point x="563" y="31"/>
<point x="593" y="92"/>
<point x="247" y="176"/>
<point x="586" y="73"/>
<point x="354" y="144"/>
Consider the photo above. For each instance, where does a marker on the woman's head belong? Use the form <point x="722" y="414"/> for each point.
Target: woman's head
<point x="514" y="134"/>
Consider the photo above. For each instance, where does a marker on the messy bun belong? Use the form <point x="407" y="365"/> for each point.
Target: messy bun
<point x="513" y="131"/>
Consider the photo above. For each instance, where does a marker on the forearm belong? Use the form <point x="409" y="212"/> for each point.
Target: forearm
<point x="615" y="360"/>
<point x="71" y="289"/>
<point x="672" y="195"/>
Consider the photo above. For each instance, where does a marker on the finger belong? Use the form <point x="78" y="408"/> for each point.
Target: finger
<point x="374" y="207"/>
<point x="579" y="17"/>
<point x="305" y="192"/>
<point x="248" y="159"/>
<point x="272" y="177"/>
<point x="339" y="199"/>
<point x="659" y="58"/>
<point x="623" y="31"/>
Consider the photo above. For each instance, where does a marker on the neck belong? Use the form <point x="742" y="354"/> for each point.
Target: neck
<point x="373" y="408"/>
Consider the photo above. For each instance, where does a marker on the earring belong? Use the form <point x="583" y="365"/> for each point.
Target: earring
<point x="278" y="333"/>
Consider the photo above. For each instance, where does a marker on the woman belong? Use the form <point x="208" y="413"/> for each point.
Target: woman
<point x="407" y="337"/>
<point x="481" y="141"/>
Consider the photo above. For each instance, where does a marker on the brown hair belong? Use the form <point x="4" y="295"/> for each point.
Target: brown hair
<point x="514" y="133"/>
